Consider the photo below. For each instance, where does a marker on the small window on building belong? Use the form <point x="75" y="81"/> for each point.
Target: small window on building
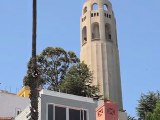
<point x="91" y="14"/>
<point x="18" y="111"/>
<point x="97" y="14"/>
<point x="94" y="14"/>
<point x="60" y="113"/>
<point x="84" y="10"/>
<point x="109" y="16"/>
<point x="50" y="112"/>
<point x="109" y="36"/>
<point x="95" y="6"/>
<point x="95" y="31"/>
<point x="84" y="35"/>
<point x="74" y="114"/>
<point x="77" y="114"/>
<point x="83" y="115"/>
<point x="105" y="7"/>
<point x="108" y="32"/>
<point x="105" y="14"/>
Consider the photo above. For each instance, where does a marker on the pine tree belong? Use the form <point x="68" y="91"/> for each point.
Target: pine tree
<point x="78" y="81"/>
<point x="147" y="104"/>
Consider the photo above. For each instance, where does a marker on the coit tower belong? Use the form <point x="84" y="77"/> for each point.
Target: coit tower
<point x="99" y="48"/>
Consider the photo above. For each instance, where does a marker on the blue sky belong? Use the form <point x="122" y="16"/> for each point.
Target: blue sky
<point x="138" y="29"/>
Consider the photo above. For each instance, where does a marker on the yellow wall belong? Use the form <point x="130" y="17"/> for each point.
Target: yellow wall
<point x="24" y="92"/>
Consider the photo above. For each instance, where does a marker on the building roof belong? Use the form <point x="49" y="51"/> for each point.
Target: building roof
<point x="67" y="96"/>
<point x="6" y="92"/>
<point x="24" y="92"/>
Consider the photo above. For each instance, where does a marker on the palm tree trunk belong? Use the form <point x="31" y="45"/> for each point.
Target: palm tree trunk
<point x="34" y="86"/>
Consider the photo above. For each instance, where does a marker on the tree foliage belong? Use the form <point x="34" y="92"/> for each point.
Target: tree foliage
<point x="147" y="104"/>
<point x="130" y="118"/>
<point x="52" y="65"/>
<point x="78" y="81"/>
<point x="156" y="113"/>
<point x="61" y="70"/>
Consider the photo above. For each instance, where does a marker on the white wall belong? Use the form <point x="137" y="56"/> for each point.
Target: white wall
<point x="10" y="103"/>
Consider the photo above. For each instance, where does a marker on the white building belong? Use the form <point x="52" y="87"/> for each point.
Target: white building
<point x="11" y="104"/>
<point x="61" y="106"/>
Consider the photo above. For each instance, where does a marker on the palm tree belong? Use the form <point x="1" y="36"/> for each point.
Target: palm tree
<point x="34" y="73"/>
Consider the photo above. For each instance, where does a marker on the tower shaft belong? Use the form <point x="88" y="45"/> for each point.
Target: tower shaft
<point x="99" y="48"/>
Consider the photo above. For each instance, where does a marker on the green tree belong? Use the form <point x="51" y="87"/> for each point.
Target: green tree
<point x="149" y="116"/>
<point x="130" y="118"/>
<point x="52" y="64"/>
<point x="78" y="81"/>
<point x="156" y="113"/>
<point x="61" y="70"/>
<point x="147" y="104"/>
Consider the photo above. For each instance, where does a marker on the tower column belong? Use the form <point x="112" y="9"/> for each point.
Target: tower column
<point x="99" y="49"/>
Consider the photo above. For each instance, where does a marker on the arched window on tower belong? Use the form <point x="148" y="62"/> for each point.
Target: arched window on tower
<point x="108" y="32"/>
<point x="84" y="35"/>
<point x="105" y="7"/>
<point x="95" y="6"/>
<point x="95" y="31"/>
<point x="84" y="10"/>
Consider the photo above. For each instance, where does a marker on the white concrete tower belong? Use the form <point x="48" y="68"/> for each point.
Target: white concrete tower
<point x="99" y="49"/>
